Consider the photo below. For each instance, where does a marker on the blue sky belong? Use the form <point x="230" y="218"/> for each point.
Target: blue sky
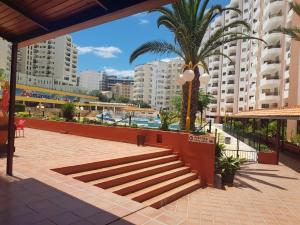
<point x="108" y="46"/>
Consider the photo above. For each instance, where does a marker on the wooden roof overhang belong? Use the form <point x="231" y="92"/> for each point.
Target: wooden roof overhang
<point x="286" y="113"/>
<point x="27" y="22"/>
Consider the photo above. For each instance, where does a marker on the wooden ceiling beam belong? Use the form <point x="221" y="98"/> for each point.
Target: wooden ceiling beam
<point x="99" y="2"/>
<point x="25" y="13"/>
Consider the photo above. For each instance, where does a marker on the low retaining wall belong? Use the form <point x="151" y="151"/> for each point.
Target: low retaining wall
<point x="198" y="155"/>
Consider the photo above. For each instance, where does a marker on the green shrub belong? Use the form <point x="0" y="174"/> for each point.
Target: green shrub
<point x="20" y="107"/>
<point x="85" y="120"/>
<point x="23" y="114"/>
<point x="229" y="165"/>
<point x="166" y="118"/>
<point x="264" y="148"/>
<point x="134" y="125"/>
<point x="68" y="111"/>
<point x="56" y="118"/>
<point x="296" y="139"/>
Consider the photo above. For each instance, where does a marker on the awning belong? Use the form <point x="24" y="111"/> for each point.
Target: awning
<point x="29" y="21"/>
<point x="289" y="113"/>
<point x="136" y="109"/>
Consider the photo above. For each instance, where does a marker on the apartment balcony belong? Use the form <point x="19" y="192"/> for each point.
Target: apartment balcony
<point x="269" y="82"/>
<point x="274" y="6"/>
<point x="270" y="67"/>
<point x="288" y="58"/>
<point x="286" y="94"/>
<point x="271" y="52"/>
<point x="286" y="74"/>
<point x="290" y="16"/>
<point x="272" y="22"/>
<point x="252" y="89"/>
<point x="229" y="94"/>
<point x="269" y="97"/>
<point x="256" y="13"/>
<point x="272" y="37"/>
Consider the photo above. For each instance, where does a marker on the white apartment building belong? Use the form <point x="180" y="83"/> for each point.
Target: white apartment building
<point x="259" y="75"/>
<point x="90" y="80"/>
<point x="46" y="64"/>
<point x="155" y="82"/>
<point x="122" y="90"/>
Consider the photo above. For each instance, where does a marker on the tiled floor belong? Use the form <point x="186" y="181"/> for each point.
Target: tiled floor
<point x="263" y="194"/>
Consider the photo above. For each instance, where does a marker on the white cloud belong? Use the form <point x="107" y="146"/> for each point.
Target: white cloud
<point x="143" y="21"/>
<point x="142" y="14"/>
<point x="101" y="51"/>
<point x="116" y="72"/>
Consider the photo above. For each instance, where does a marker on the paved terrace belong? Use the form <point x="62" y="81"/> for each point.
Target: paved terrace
<point x="262" y="194"/>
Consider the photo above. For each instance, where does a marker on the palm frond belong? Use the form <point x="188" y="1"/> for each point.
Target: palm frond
<point x="160" y="47"/>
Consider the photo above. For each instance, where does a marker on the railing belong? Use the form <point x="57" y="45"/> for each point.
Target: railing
<point x="202" y="127"/>
<point x="249" y="156"/>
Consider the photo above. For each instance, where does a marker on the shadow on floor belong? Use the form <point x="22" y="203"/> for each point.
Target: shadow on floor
<point x="29" y="201"/>
<point x="291" y="160"/>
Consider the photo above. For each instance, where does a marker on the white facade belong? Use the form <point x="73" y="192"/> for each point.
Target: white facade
<point x="52" y="62"/>
<point x="259" y="76"/>
<point x="155" y="82"/>
<point x="122" y="90"/>
<point x="90" y="80"/>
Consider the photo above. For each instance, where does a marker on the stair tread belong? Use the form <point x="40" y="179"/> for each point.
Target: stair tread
<point x="68" y="170"/>
<point x="133" y="172"/>
<point x="171" y="192"/>
<point x="161" y="184"/>
<point x="125" y="165"/>
<point x="138" y="181"/>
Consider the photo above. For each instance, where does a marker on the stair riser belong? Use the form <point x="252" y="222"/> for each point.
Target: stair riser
<point x="151" y="194"/>
<point x="174" y="197"/>
<point x="122" y="180"/>
<point x="112" y="162"/>
<point x="148" y="183"/>
<point x="99" y="175"/>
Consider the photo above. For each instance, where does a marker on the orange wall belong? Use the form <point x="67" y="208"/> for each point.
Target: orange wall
<point x="199" y="156"/>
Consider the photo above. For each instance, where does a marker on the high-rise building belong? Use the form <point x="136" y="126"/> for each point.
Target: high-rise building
<point x="46" y="64"/>
<point x="122" y="90"/>
<point x="5" y="55"/>
<point x="91" y="80"/>
<point x="155" y="82"/>
<point x="108" y="81"/>
<point x="258" y="76"/>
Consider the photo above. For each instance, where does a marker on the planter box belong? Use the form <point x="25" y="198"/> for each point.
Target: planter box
<point x="291" y="147"/>
<point x="267" y="158"/>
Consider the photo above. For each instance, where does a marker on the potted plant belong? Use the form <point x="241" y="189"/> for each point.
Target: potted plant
<point x="219" y="153"/>
<point x="266" y="155"/>
<point x="229" y="166"/>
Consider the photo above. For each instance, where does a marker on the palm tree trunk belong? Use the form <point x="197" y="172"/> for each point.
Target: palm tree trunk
<point x="194" y="100"/>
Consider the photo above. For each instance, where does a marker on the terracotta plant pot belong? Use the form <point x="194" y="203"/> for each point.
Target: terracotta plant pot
<point x="267" y="158"/>
<point x="228" y="178"/>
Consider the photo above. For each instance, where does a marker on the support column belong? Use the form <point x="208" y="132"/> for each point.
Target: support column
<point x="11" y="116"/>
<point x="278" y="144"/>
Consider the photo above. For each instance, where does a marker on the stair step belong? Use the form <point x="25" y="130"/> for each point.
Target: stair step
<point x="111" y="162"/>
<point x="157" y="189"/>
<point x="136" y="174"/>
<point x="144" y="182"/>
<point x="172" y="195"/>
<point x="123" y="168"/>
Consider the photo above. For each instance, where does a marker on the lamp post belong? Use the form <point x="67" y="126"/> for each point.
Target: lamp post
<point x="204" y="79"/>
<point x="188" y="76"/>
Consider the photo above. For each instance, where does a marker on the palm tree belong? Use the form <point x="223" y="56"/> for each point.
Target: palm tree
<point x="293" y="32"/>
<point x="189" y="21"/>
<point x="204" y="99"/>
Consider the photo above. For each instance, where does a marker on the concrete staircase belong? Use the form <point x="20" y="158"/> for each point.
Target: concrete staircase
<point x="155" y="178"/>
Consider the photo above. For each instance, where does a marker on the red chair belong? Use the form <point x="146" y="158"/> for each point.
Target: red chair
<point x="20" y="127"/>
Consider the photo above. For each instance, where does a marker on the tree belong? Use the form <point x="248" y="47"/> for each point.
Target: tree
<point x="203" y="101"/>
<point x="68" y="111"/>
<point x="176" y="102"/>
<point x="293" y="32"/>
<point x="189" y="21"/>
<point x="94" y="93"/>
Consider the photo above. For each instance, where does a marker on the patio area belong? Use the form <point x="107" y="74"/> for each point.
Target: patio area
<point x="262" y="194"/>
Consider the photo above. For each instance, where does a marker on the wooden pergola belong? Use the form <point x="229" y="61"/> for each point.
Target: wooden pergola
<point x="280" y="115"/>
<point x="25" y="22"/>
